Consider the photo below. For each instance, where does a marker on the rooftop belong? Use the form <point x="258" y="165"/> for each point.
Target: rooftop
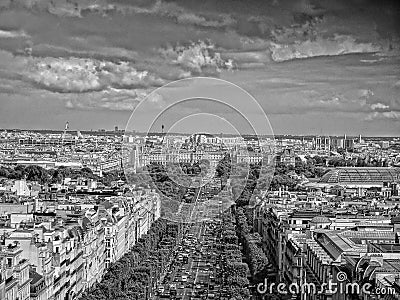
<point x="361" y="175"/>
<point x="388" y="248"/>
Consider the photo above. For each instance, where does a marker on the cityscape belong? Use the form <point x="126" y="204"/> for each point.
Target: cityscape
<point x="72" y="222"/>
<point x="199" y="150"/>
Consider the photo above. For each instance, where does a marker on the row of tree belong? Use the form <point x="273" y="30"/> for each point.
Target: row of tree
<point x="51" y="176"/>
<point x="133" y="276"/>
<point x="357" y="162"/>
<point x="168" y="180"/>
<point x="252" y="247"/>
<point x="234" y="270"/>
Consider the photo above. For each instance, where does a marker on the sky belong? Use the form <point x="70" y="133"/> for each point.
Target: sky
<point x="314" y="67"/>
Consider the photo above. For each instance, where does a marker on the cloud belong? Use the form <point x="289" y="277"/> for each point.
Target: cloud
<point x="12" y="66"/>
<point x="338" y="45"/>
<point x="180" y="14"/>
<point x="110" y="99"/>
<point x="97" y="52"/>
<point x="365" y="93"/>
<point x="116" y="100"/>
<point x="362" y="100"/>
<point x="74" y="75"/>
<point x="372" y="61"/>
<point x="200" y="57"/>
<point x="379" y="106"/>
<point x="305" y="97"/>
<point x="13" y="34"/>
<point x="93" y="102"/>
<point x="77" y="75"/>
<point x="64" y="9"/>
<point x="243" y="59"/>
<point x="386" y="115"/>
<point x="331" y="103"/>
<point x="61" y="8"/>
<point x="155" y="99"/>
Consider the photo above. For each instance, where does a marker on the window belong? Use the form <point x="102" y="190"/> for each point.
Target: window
<point x="9" y="262"/>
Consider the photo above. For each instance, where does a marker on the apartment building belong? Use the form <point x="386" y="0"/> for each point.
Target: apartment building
<point x="60" y="254"/>
<point x="14" y="275"/>
<point x="318" y="247"/>
<point x="35" y="250"/>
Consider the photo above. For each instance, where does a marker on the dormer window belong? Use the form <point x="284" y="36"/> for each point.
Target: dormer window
<point x="9" y="262"/>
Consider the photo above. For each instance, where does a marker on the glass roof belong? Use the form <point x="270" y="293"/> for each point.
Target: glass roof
<point x="366" y="175"/>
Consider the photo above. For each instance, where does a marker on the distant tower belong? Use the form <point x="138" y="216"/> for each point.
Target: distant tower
<point x="65" y="132"/>
<point x="63" y="136"/>
<point x="360" y="139"/>
<point x="162" y="134"/>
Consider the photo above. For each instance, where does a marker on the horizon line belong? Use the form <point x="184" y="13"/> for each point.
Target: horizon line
<point x="120" y="131"/>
